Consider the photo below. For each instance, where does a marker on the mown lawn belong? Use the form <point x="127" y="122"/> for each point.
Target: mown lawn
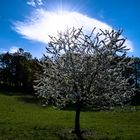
<point x="21" y="118"/>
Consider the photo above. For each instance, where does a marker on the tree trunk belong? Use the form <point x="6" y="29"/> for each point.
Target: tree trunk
<point x="77" y="120"/>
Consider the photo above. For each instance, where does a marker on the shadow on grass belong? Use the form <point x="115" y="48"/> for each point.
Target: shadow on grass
<point x="87" y="134"/>
<point x="29" y="99"/>
<point x="72" y="107"/>
<point x="11" y="90"/>
<point x="11" y="93"/>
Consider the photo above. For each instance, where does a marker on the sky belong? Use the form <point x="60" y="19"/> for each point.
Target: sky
<point x="27" y="24"/>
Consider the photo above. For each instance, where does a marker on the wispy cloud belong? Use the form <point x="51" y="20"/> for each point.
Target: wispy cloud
<point x="39" y="2"/>
<point x="2" y="50"/>
<point x="13" y="49"/>
<point x="42" y="23"/>
<point x="31" y="2"/>
<point x="35" y="3"/>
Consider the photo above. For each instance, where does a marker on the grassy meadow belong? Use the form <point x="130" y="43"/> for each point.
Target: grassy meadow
<point x="22" y="118"/>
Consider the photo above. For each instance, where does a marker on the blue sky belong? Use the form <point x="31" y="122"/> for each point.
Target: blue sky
<point x="27" y="23"/>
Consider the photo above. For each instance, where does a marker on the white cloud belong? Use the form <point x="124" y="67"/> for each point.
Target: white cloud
<point x="42" y="23"/>
<point x="35" y="3"/>
<point x="39" y="2"/>
<point x="2" y="50"/>
<point x="13" y="49"/>
<point x="129" y="45"/>
<point x="31" y="2"/>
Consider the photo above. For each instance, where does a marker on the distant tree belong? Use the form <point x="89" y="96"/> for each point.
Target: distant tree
<point x="18" y="69"/>
<point x="86" y="70"/>
<point x="137" y="72"/>
<point x="26" y="69"/>
<point x="6" y="68"/>
<point x="136" y="80"/>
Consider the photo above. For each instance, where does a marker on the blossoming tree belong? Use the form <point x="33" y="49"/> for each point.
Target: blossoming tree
<point x="86" y="70"/>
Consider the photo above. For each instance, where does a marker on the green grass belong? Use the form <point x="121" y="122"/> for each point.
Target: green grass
<point x="21" y="120"/>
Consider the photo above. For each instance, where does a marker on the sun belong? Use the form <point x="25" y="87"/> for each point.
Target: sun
<point x="60" y="21"/>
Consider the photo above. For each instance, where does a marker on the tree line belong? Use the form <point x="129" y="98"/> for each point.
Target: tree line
<point x="18" y="70"/>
